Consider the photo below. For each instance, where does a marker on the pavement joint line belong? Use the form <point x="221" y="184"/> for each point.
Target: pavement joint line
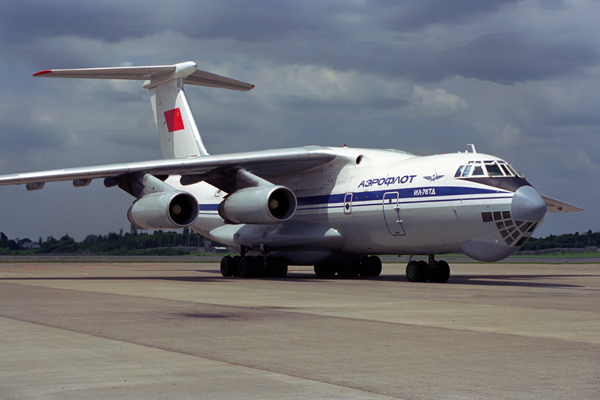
<point x="326" y="315"/>
<point x="199" y="357"/>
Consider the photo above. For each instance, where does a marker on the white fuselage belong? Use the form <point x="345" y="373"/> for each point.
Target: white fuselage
<point x="374" y="202"/>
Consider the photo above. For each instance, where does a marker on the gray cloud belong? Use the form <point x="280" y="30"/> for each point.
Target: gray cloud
<point x="521" y="79"/>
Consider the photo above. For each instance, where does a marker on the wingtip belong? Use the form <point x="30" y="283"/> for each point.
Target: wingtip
<point x="47" y="71"/>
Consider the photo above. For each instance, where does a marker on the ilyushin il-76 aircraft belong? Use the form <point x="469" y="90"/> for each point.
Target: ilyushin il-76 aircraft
<point x="334" y="208"/>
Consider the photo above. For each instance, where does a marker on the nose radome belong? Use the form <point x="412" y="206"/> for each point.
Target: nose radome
<point x="528" y="205"/>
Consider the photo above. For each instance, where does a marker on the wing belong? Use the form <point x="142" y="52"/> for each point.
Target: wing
<point x="559" y="206"/>
<point x="262" y="163"/>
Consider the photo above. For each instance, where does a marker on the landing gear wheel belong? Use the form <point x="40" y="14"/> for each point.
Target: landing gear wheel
<point x="276" y="267"/>
<point x="424" y="273"/>
<point x="439" y="272"/>
<point x="228" y="266"/>
<point x="366" y="267"/>
<point x="330" y="270"/>
<point x="417" y="271"/>
<point x="376" y="266"/>
<point x="444" y="271"/>
<point x="260" y="268"/>
<point x="320" y="270"/>
<point x="246" y="267"/>
<point x="281" y="267"/>
<point x="236" y="265"/>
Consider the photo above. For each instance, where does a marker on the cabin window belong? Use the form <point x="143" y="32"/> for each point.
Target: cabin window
<point x="459" y="171"/>
<point x="467" y="170"/>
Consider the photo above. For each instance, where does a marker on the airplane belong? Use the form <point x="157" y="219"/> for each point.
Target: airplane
<point x="336" y="208"/>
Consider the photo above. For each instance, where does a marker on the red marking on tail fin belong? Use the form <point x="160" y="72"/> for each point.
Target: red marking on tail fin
<point x="173" y="119"/>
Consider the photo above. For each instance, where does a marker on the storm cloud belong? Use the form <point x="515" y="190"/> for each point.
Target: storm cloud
<point x="520" y="79"/>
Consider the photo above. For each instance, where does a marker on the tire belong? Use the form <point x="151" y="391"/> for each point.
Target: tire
<point x="366" y="267"/>
<point x="320" y="270"/>
<point x="236" y="265"/>
<point x="424" y="271"/>
<point x="227" y="266"/>
<point x="444" y="271"/>
<point x="376" y="266"/>
<point x="260" y="269"/>
<point x="434" y="273"/>
<point x="281" y="267"/>
<point x="330" y="270"/>
<point x="417" y="271"/>
<point x="246" y="268"/>
<point x="412" y="271"/>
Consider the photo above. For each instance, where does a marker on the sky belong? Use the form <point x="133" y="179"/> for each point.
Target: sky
<point x="519" y="79"/>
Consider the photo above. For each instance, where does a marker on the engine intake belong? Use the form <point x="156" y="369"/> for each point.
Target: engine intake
<point x="259" y="205"/>
<point x="164" y="210"/>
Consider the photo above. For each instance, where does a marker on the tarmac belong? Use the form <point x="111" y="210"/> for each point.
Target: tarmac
<point x="86" y="330"/>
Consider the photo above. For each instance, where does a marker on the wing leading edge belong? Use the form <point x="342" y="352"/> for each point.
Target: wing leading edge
<point x="264" y="163"/>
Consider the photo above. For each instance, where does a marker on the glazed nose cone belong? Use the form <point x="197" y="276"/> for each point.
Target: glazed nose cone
<point x="528" y="205"/>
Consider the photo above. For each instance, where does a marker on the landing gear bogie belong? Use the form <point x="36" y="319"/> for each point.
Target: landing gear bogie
<point x="434" y="271"/>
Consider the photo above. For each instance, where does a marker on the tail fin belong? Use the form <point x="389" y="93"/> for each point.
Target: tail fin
<point x="177" y="132"/>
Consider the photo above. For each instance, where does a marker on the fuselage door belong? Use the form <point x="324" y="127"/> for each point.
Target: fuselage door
<point x="391" y="213"/>
<point x="348" y="203"/>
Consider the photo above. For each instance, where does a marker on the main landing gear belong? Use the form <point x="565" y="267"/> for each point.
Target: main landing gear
<point x="434" y="271"/>
<point x="366" y="267"/>
<point x="254" y="267"/>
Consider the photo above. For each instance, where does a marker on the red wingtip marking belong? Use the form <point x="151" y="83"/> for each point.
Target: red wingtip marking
<point x="42" y="72"/>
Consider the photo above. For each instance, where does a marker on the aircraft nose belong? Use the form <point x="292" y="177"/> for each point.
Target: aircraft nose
<point x="528" y="205"/>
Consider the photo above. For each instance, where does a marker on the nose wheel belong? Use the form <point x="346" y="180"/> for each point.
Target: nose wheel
<point x="434" y="271"/>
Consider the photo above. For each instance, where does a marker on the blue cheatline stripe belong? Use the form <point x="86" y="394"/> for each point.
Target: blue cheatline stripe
<point x="403" y="193"/>
<point x="208" y="207"/>
<point x="354" y="205"/>
<point x="336" y="200"/>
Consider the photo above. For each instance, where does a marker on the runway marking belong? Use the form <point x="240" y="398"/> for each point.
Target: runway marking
<point x="102" y="266"/>
<point x="39" y="267"/>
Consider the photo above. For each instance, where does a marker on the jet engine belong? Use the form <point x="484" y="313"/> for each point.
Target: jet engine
<point x="164" y="210"/>
<point x="259" y="205"/>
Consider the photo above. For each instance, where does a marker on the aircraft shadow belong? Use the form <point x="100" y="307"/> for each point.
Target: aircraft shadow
<point x="476" y="280"/>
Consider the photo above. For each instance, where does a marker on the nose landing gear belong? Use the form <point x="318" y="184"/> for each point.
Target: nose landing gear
<point x="434" y="271"/>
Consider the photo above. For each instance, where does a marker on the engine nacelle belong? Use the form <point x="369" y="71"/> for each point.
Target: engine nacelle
<point x="164" y="210"/>
<point x="259" y="205"/>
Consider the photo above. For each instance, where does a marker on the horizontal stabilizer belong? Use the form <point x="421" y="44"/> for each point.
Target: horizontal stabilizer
<point x="559" y="206"/>
<point x="153" y="74"/>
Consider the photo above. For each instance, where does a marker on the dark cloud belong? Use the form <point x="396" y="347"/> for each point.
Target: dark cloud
<point x="411" y="16"/>
<point x="518" y="78"/>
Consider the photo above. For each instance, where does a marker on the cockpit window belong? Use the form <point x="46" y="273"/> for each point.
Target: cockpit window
<point x="478" y="171"/>
<point x="491" y="168"/>
<point x="506" y="170"/>
<point x="459" y="171"/>
<point x="517" y="173"/>
<point x="467" y="170"/>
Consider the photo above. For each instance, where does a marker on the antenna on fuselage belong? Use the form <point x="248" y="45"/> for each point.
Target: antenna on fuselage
<point x="472" y="147"/>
